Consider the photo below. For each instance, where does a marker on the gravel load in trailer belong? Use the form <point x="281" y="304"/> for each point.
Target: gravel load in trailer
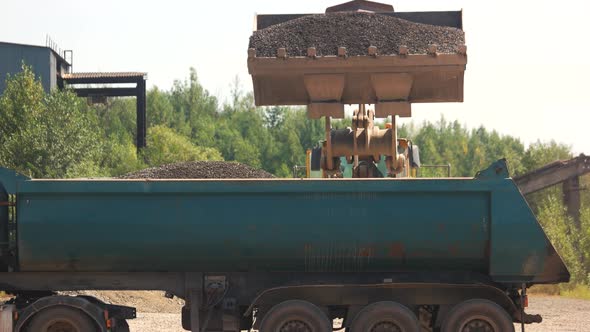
<point x="356" y="31"/>
<point x="200" y="170"/>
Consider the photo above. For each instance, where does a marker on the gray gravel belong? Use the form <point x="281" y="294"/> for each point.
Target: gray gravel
<point x="355" y="31"/>
<point x="200" y="170"/>
<point x="559" y="315"/>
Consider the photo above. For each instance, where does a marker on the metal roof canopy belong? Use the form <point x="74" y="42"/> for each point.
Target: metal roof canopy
<point x="139" y="92"/>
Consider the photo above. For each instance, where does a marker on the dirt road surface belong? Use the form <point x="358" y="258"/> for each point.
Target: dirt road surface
<point x="559" y="315"/>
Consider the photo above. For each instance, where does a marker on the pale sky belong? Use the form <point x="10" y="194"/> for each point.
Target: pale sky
<point x="527" y="73"/>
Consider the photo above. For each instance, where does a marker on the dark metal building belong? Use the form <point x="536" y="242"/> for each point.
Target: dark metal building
<point x="47" y="64"/>
<point x="51" y="67"/>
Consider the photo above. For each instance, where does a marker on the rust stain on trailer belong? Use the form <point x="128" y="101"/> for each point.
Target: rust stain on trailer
<point x="366" y="252"/>
<point x="397" y="250"/>
<point x="454" y="249"/>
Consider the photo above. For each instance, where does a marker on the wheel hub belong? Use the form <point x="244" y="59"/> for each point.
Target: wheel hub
<point x="478" y="325"/>
<point x="295" y="326"/>
<point x="385" y="327"/>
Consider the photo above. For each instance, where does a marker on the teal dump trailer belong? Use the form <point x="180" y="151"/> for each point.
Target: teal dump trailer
<point x="455" y="253"/>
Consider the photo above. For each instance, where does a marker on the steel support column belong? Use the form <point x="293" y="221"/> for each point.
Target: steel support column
<point x="571" y="199"/>
<point x="141" y="115"/>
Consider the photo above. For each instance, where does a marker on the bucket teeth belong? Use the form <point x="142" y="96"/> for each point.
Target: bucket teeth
<point x="403" y="50"/>
<point x="433" y="49"/>
<point x="372" y="51"/>
<point x="342" y="52"/>
<point x="462" y="50"/>
<point x="282" y="53"/>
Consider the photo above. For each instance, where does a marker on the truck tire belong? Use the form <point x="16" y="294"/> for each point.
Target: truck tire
<point x="295" y="316"/>
<point x="477" y="313"/>
<point x="385" y="316"/>
<point x="61" y="318"/>
<point x="120" y="325"/>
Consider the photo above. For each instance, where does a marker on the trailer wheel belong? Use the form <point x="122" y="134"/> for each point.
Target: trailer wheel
<point x="61" y="319"/>
<point x="120" y="325"/>
<point x="385" y="317"/>
<point x="295" y="316"/>
<point x="477" y="315"/>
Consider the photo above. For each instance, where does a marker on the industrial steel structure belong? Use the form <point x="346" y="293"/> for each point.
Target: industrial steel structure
<point x="84" y="84"/>
<point x="564" y="172"/>
<point x="53" y="70"/>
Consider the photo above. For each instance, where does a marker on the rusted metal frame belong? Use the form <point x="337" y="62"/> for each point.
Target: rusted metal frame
<point x="552" y="174"/>
<point x="572" y="199"/>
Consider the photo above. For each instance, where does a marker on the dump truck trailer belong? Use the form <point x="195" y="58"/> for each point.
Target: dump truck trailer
<point x="277" y="254"/>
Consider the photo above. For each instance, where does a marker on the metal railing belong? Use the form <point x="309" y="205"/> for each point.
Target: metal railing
<point x="447" y="167"/>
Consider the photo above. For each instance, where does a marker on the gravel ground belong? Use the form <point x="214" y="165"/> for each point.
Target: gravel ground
<point x="355" y="31"/>
<point x="200" y="170"/>
<point x="559" y="315"/>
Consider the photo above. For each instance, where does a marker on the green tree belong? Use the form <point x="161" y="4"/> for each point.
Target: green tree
<point x="571" y="243"/>
<point x="159" y="109"/>
<point x="165" y="146"/>
<point x="196" y="110"/>
<point x="45" y="135"/>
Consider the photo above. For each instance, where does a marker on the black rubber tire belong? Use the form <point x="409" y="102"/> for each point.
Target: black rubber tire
<point x="76" y="320"/>
<point x="295" y="311"/>
<point x="477" y="309"/>
<point x="385" y="312"/>
<point x="121" y="325"/>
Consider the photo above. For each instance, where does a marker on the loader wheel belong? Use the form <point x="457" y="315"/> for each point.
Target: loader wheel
<point x="295" y="316"/>
<point x="477" y="316"/>
<point x="61" y="319"/>
<point x="385" y="317"/>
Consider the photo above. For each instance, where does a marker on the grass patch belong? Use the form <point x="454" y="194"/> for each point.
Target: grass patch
<point x="572" y="291"/>
<point x="577" y="292"/>
<point x="551" y="290"/>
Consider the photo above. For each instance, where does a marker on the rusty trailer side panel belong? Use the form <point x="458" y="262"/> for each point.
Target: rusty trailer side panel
<point x="482" y="225"/>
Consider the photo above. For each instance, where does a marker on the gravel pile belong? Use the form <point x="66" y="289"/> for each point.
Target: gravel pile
<point x="200" y="170"/>
<point x="355" y="31"/>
